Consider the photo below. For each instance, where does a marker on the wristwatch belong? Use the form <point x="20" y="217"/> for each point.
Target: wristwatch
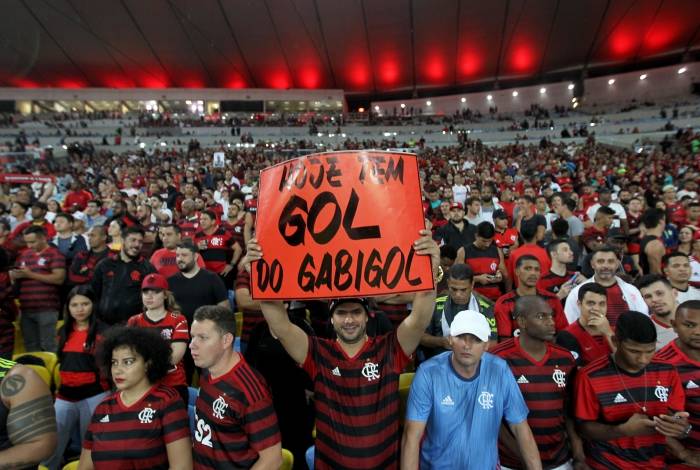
<point x="440" y="275"/>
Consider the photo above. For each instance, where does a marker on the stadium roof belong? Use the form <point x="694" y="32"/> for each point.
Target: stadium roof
<point x="370" y="47"/>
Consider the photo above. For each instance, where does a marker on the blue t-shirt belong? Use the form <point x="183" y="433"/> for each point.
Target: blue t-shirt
<point x="463" y="416"/>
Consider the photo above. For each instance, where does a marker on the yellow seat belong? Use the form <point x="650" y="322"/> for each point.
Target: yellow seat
<point x="71" y="465"/>
<point x="41" y="372"/>
<point x="57" y="376"/>
<point x="287" y="460"/>
<point x="59" y="324"/>
<point x="19" y="339"/>
<point x="405" y="381"/>
<point x="50" y="359"/>
<point x="239" y="323"/>
<point x="41" y="467"/>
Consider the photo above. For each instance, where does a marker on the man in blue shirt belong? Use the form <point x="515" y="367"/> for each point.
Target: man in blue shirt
<point x="458" y="400"/>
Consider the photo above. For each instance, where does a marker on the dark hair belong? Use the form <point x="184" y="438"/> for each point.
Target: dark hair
<point x="471" y="200"/>
<point x="461" y="272"/>
<point x="591" y="287"/>
<point x="524" y="258"/>
<point x="529" y="199"/>
<point x="604" y="210"/>
<point x="69" y="322"/>
<point x="674" y="254"/>
<point x="689" y="305"/>
<point x="635" y="326"/>
<point x="560" y="227"/>
<point x="36" y="230"/>
<point x="69" y="218"/>
<point x="172" y="226"/>
<point x="146" y="342"/>
<point x="652" y="217"/>
<point x="223" y="318"/>
<point x="523" y="305"/>
<point x="210" y="213"/>
<point x="570" y="204"/>
<point x="528" y="230"/>
<point x="188" y="244"/>
<point x="554" y="244"/>
<point x="485" y="230"/>
<point x="25" y="207"/>
<point x="97" y="202"/>
<point x="6" y="225"/>
<point x="649" y="279"/>
<point x="448" y="251"/>
<point x="604" y="249"/>
<point x="134" y="229"/>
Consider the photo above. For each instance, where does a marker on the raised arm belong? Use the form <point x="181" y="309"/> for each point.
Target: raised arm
<point x="413" y="327"/>
<point x="293" y="338"/>
<point x="31" y="421"/>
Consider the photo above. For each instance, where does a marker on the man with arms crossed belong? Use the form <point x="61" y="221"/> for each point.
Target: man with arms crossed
<point x="356" y="378"/>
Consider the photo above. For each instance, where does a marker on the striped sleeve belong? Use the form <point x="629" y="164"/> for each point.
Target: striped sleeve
<point x="260" y="424"/>
<point x="181" y="331"/>
<point x="176" y="424"/>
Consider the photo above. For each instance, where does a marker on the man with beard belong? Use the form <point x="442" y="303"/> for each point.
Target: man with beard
<point x="194" y="286"/>
<point x="659" y="295"/>
<point x="355" y="377"/>
<point x="543" y="372"/>
<point x="165" y="259"/>
<point x="461" y="296"/>
<point x="117" y="280"/>
<point x="457" y="233"/>
<point x="621" y="296"/>
<point x="684" y="353"/>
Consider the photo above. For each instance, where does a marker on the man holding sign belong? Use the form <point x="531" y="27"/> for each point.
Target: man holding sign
<point x="355" y="377"/>
<point x="321" y="224"/>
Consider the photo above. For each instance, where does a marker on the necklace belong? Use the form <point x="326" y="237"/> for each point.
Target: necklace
<point x="619" y="376"/>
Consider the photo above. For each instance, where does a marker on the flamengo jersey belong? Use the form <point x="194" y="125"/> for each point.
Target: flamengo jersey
<point x="235" y="419"/>
<point x="505" y="305"/>
<point x="357" y="403"/>
<point x="552" y="282"/>
<point x="689" y="371"/>
<point x="484" y="262"/>
<point x="135" y="436"/>
<point x="545" y="385"/>
<point x="218" y="249"/>
<point x="173" y="328"/>
<point x="606" y="396"/>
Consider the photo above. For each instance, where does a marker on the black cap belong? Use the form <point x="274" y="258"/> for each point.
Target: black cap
<point x="616" y="234"/>
<point x="499" y="214"/>
<point x="333" y="304"/>
<point x="604" y="190"/>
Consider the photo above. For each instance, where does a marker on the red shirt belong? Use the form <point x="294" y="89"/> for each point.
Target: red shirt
<point x="606" y="394"/>
<point x="585" y="347"/>
<point x="173" y="327"/>
<point x="79" y="198"/>
<point x="506" y="240"/>
<point x="164" y="262"/>
<point x="48" y="226"/>
<point x="505" y="305"/>
<point x="38" y="296"/>
<point x="528" y="249"/>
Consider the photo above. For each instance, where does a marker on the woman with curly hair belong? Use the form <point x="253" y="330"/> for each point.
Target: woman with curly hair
<point x="143" y="424"/>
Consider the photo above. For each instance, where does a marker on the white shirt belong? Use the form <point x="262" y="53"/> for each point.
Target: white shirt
<point x="459" y="193"/>
<point x="691" y="293"/>
<point x="620" y="213"/>
<point x="630" y="294"/>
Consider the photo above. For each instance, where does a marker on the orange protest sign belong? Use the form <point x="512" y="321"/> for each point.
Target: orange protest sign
<point x="340" y="224"/>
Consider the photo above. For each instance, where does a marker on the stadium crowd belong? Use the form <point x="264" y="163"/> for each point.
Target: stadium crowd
<point x="563" y="332"/>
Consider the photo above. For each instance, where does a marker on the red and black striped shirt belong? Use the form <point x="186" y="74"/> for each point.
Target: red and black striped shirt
<point x="38" y="296"/>
<point x="484" y="262"/>
<point x="189" y="226"/>
<point x="135" y="436"/>
<point x="585" y="347"/>
<point x="396" y="313"/>
<point x="689" y="371"/>
<point x="546" y="386"/>
<point x="173" y="327"/>
<point x="251" y="317"/>
<point x="505" y="305"/>
<point x="218" y="250"/>
<point x="235" y="419"/>
<point x="606" y="394"/>
<point x="357" y="403"/>
<point x="83" y="265"/>
<point x="80" y="375"/>
<point x="552" y="282"/>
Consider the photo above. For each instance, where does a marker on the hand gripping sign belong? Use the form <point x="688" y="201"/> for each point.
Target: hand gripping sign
<point x="340" y="224"/>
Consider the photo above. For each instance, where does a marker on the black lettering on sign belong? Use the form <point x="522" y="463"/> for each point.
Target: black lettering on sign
<point x="297" y="174"/>
<point x="269" y="275"/>
<point x="340" y="271"/>
<point x="296" y="220"/>
<point x="378" y="171"/>
<point x="334" y="173"/>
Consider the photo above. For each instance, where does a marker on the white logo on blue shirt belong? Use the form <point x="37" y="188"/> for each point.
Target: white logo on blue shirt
<point x="447" y="401"/>
<point x="486" y="400"/>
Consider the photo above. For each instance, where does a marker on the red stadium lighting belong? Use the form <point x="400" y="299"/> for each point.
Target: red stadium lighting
<point x="279" y="80"/>
<point x="435" y="69"/>
<point x="70" y="83"/>
<point x="309" y="78"/>
<point x="523" y="58"/>
<point x="622" y="43"/>
<point x="469" y="63"/>
<point x="389" y="72"/>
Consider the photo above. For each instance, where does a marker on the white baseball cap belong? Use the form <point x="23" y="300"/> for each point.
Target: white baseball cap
<point x="472" y="322"/>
